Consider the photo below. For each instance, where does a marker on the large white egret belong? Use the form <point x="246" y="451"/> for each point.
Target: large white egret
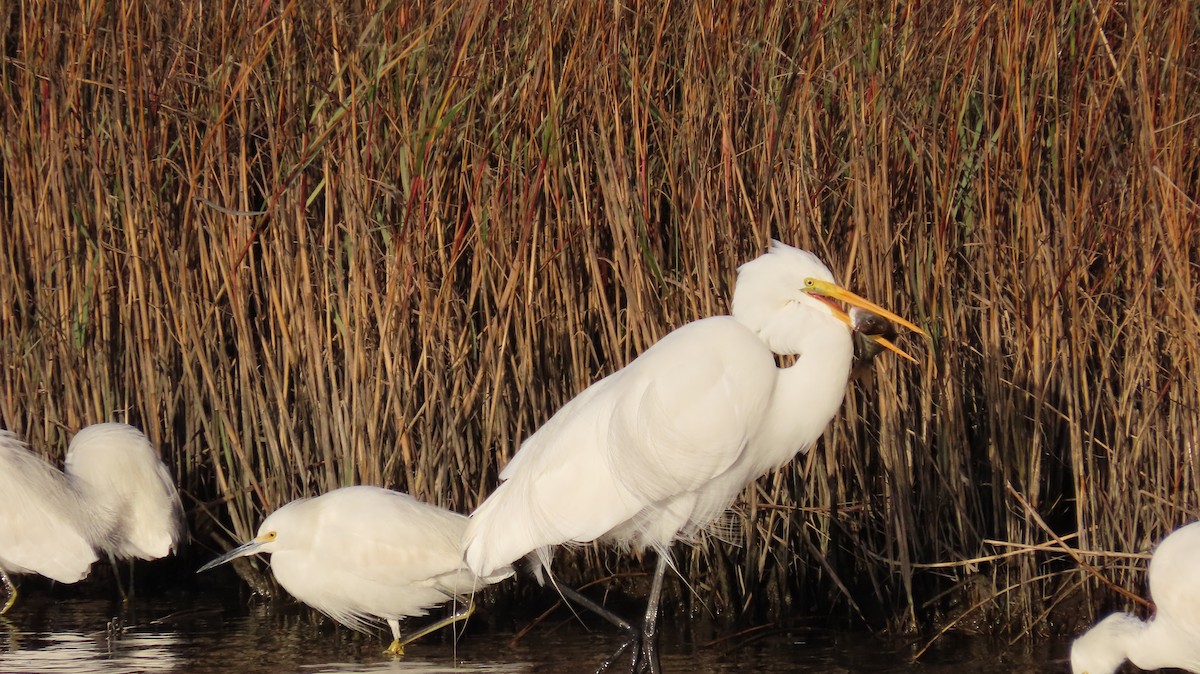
<point x="656" y="451"/>
<point x="45" y="528"/>
<point x="1172" y="637"/>
<point x="116" y="496"/>
<point x="118" y="472"/>
<point x="362" y="553"/>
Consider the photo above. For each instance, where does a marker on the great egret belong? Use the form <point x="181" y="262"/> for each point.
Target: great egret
<point x="45" y="528"/>
<point x="361" y="553"/>
<point x="116" y="496"/>
<point x="118" y="472"/>
<point x="1172" y="637"/>
<point x="659" y="449"/>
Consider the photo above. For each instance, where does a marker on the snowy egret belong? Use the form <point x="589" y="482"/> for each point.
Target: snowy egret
<point x="658" y="450"/>
<point x="361" y="553"/>
<point x="118" y="472"/>
<point x="1172" y="637"/>
<point x="115" y="496"/>
<point x="45" y="527"/>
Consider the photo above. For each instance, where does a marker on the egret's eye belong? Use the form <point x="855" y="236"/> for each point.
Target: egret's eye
<point x="268" y="537"/>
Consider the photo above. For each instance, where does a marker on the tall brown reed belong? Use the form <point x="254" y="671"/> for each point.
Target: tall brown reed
<point x="312" y="245"/>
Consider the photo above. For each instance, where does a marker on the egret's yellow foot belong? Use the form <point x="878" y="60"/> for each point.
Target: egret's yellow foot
<point x="397" y="647"/>
<point x="9" y="589"/>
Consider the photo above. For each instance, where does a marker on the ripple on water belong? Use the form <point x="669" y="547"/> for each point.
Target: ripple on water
<point x="199" y="635"/>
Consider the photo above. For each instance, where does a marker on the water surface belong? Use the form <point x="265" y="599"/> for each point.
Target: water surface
<point x="199" y="634"/>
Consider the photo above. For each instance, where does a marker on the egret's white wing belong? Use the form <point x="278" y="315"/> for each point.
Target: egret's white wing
<point x="556" y="426"/>
<point x="675" y="417"/>
<point x="124" y="475"/>
<point x="43" y="527"/>
<point x="387" y="537"/>
<point x="691" y="403"/>
<point x="1175" y="576"/>
<point x="373" y="553"/>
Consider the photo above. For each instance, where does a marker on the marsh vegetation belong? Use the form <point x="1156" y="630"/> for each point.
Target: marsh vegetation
<point x="305" y="245"/>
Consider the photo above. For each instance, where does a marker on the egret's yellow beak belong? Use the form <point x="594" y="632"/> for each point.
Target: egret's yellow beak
<point x="824" y="289"/>
<point x="887" y="344"/>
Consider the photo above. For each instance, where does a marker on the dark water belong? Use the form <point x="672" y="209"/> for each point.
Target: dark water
<point x="199" y="633"/>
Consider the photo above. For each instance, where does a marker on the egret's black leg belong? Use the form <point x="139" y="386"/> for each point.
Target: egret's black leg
<point x="650" y="622"/>
<point x="574" y="596"/>
<point x="632" y="635"/>
<point x="112" y="560"/>
<point x="630" y="644"/>
<point x="643" y="645"/>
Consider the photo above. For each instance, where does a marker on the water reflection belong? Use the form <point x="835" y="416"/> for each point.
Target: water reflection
<point x="77" y="652"/>
<point x="198" y="635"/>
<point x="416" y="667"/>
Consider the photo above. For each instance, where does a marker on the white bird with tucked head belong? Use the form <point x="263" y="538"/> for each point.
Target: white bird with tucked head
<point x="116" y="496"/>
<point x="45" y="528"/>
<point x="362" y="553"/>
<point x="118" y="471"/>
<point x="659" y="449"/>
<point x="1172" y="637"/>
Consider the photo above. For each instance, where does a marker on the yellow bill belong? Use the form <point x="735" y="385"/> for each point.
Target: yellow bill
<point x="887" y="344"/>
<point x="824" y="289"/>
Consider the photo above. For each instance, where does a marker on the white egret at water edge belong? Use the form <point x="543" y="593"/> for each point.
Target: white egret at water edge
<point x="1172" y="637"/>
<point x="361" y="553"/>
<point x="118" y="471"/>
<point x="45" y="528"/>
<point x="115" y="496"/>
<point x="659" y="449"/>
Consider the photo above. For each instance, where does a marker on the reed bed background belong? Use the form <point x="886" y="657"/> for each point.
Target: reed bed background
<point x="305" y="245"/>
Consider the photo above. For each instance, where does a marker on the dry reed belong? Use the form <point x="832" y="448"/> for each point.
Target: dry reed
<point x="308" y="245"/>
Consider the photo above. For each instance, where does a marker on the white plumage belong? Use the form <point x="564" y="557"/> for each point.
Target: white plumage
<point x="1172" y="637"/>
<point x="115" y="496"/>
<point x="117" y="471"/>
<point x="365" y="553"/>
<point x="662" y="447"/>
<point x="659" y="449"/>
<point x="44" y="528"/>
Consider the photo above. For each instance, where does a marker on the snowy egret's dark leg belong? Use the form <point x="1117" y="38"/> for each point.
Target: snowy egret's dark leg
<point x="132" y="567"/>
<point x="112" y="560"/>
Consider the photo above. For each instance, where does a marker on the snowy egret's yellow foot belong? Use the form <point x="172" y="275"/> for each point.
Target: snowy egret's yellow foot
<point x="10" y="590"/>
<point x="397" y="647"/>
<point x="460" y="615"/>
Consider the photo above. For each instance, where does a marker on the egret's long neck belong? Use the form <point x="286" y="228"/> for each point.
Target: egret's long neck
<point x="1160" y="643"/>
<point x="1103" y="648"/>
<point x="809" y="393"/>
